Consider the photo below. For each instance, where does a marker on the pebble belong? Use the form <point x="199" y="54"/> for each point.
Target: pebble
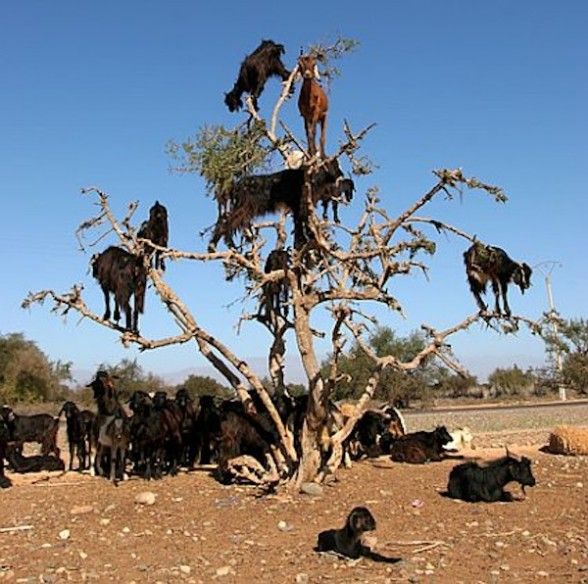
<point x="312" y="489"/>
<point x="81" y="509"/>
<point x="224" y="571"/>
<point x="145" y="498"/>
<point x="185" y="569"/>
<point x="64" y="534"/>
<point x="301" y="578"/>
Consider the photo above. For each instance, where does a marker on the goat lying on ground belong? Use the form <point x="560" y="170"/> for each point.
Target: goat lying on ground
<point x="473" y="482"/>
<point x="38" y="463"/>
<point x="79" y="434"/>
<point x="155" y="229"/>
<point x="121" y="274"/>
<point x="252" y="197"/>
<point x="312" y="104"/>
<point x="486" y="263"/>
<point x="5" y="482"/>
<point x="255" y="69"/>
<point x="41" y="428"/>
<point x="373" y="433"/>
<point x="421" y="447"/>
<point x="460" y="438"/>
<point x="347" y="541"/>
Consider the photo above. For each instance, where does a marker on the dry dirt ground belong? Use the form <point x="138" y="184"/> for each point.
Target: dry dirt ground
<point x="200" y="531"/>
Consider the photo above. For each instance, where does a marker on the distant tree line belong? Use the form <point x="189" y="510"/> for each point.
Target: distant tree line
<point x="27" y="375"/>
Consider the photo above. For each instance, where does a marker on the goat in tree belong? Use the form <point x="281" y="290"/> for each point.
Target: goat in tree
<point x="156" y="230"/>
<point x="486" y="263"/>
<point x="255" y="69"/>
<point x="255" y="196"/>
<point x="312" y="104"/>
<point x="123" y="275"/>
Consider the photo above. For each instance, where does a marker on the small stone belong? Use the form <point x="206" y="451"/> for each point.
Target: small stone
<point x="126" y="530"/>
<point x="580" y="485"/>
<point x="542" y="574"/>
<point x="224" y="571"/>
<point x="104" y="521"/>
<point x="312" y="489"/>
<point x="283" y="526"/>
<point x="301" y="578"/>
<point x="64" y="534"/>
<point x="81" y="509"/>
<point x="526" y="533"/>
<point x="145" y="498"/>
<point x="185" y="569"/>
<point x="83" y="555"/>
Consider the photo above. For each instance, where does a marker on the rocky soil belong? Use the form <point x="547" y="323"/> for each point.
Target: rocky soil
<point x="75" y="528"/>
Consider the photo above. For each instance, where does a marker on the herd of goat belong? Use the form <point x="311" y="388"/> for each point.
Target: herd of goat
<point x="154" y="435"/>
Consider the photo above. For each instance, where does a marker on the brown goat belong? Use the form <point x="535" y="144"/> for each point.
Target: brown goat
<point x="123" y="275"/>
<point x="312" y="103"/>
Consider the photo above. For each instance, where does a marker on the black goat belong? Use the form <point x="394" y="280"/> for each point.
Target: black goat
<point x="189" y="427"/>
<point x="254" y="196"/>
<point x="156" y="230"/>
<point x="208" y="425"/>
<point x="486" y="263"/>
<point x="255" y="69"/>
<point x="5" y="482"/>
<point x="374" y="432"/>
<point x="347" y="541"/>
<point x="421" y="447"/>
<point x="123" y="275"/>
<point x="79" y="434"/>
<point x="473" y="482"/>
<point x="37" y="463"/>
<point x="41" y="428"/>
<point x="171" y="420"/>
<point x="275" y="293"/>
<point x="147" y="436"/>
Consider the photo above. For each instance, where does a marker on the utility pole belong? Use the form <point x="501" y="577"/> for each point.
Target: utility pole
<point x="546" y="269"/>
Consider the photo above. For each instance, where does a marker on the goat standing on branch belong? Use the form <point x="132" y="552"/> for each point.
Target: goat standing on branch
<point x="252" y="197"/>
<point x="156" y="230"/>
<point x="255" y="69"/>
<point x="486" y="263"/>
<point x="312" y="104"/>
<point x="122" y="274"/>
<point x="275" y="293"/>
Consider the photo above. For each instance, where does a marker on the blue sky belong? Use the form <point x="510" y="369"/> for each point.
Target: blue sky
<point x="91" y="93"/>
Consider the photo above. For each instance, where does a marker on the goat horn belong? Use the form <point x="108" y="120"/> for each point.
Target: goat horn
<point x="512" y="455"/>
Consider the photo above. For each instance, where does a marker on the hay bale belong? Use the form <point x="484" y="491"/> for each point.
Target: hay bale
<point x="569" y="440"/>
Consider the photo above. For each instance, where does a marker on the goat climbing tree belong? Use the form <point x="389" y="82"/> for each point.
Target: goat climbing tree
<point x="342" y="270"/>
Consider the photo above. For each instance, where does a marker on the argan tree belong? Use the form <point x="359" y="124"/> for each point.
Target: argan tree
<point x="341" y="270"/>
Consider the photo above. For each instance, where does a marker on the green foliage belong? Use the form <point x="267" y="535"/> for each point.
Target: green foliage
<point x="26" y="373"/>
<point x="571" y="341"/>
<point x="400" y="386"/>
<point x="512" y="381"/>
<point x="327" y="53"/>
<point x="452" y="385"/>
<point x="198" y="385"/>
<point x="221" y="155"/>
